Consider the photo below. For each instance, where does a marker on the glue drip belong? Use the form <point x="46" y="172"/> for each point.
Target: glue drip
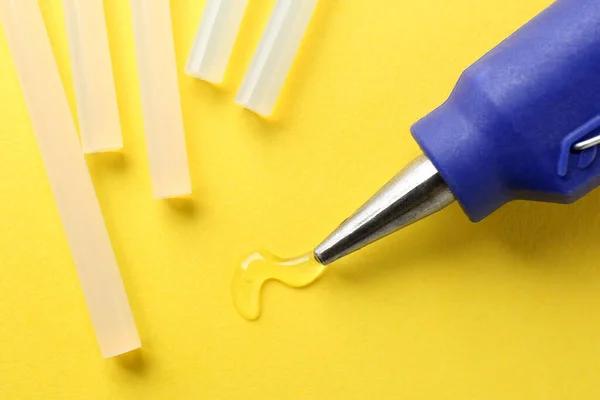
<point x="262" y="266"/>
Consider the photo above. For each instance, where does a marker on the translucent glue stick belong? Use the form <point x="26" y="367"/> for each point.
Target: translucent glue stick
<point x="161" y="104"/>
<point x="275" y="55"/>
<point x="215" y="39"/>
<point x="69" y="177"/>
<point x="92" y="76"/>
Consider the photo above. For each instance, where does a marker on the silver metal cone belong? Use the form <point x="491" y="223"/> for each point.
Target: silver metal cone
<point x="415" y="193"/>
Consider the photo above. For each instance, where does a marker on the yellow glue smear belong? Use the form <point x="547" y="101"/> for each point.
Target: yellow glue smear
<point x="260" y="267"/>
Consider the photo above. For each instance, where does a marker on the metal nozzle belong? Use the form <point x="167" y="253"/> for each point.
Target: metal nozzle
<point x="415" y="193"/>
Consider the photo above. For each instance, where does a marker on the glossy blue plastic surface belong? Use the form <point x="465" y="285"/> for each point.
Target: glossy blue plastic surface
<point x="507" y="130"/>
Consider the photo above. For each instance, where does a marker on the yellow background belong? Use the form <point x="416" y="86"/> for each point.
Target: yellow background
<point x="505" y="309"/>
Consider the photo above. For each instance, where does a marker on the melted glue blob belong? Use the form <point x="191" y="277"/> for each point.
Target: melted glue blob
<point x="262" y="266"/>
